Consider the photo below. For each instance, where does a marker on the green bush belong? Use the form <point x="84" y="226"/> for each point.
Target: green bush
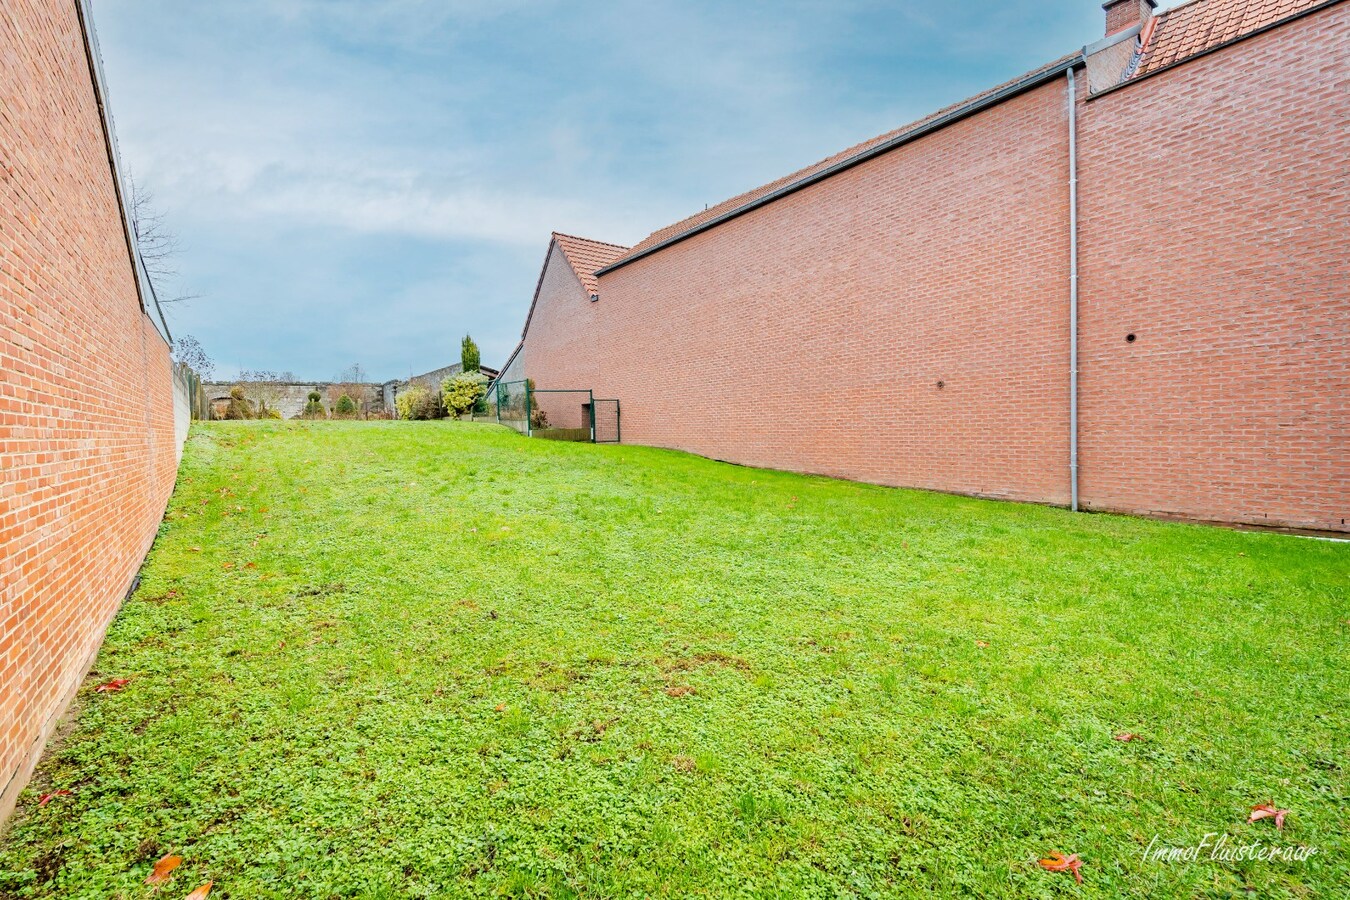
<point x="345" y="408"/>
<point x="314" y="407"/>
<point x="417" y="403"/>
<point x="268" y="413"/>
<point x="238" y="407"/>
<point x="538" y="418"/>
<point x="462" y="392"/>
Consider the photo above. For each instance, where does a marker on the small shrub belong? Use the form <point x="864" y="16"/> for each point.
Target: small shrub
<point x="314" y="407"/>
<point x="416" y="403"/>
<point x="238" y="407"/>
<point x="268" y="413"/>
<point x="345" y="408"/>
<point x="462" y="392"/>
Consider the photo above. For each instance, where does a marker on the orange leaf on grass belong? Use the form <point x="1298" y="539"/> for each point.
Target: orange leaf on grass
<point x="201" y="892"/>
<point x="1268" y="811"/>
<point x="1127" y="736"/>
<point x="112" y="687"/>
<point x="163" y="868"/>
<point x="1058" y="862"/>
<point x="48" y="798"/>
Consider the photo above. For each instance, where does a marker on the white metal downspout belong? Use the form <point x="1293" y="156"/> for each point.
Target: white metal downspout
<point x="1073" y="291"/>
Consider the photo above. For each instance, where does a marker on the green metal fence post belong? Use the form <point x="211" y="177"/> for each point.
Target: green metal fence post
<point x="529" y="426"/>
<point x="591" y="407"/>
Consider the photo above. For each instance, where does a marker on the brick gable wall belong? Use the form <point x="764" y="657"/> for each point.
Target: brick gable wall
<point x="87" y="447"/>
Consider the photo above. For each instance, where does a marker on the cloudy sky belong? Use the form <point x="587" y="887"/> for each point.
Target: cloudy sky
<point x="367" y="180"/>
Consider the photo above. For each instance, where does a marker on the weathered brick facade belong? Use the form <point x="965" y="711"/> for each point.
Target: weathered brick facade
<point x="87" y="433"/>
<point x="906" y="321"/>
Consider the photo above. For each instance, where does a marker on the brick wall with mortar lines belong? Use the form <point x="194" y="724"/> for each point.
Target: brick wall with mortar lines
<point x="810" y="334"/>
<point x="87" y="449"/>
<point x="1221" y="246"/>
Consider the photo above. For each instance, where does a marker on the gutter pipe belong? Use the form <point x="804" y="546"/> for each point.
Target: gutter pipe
<point x="1073" y="291"/>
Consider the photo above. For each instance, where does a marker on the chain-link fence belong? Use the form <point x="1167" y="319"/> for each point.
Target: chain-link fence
<point x="555" y="414"/>
<point x="561" y="415"/>
<point x="606" y="421"/>
<point x="511" y="402"/>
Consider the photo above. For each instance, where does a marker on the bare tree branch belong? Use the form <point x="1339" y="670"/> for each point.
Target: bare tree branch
<point x="157" y="244"/>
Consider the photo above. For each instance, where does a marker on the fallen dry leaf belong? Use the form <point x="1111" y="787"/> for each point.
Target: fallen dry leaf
<point x="201" y="892"/>
<point x="48" y="798"/>
<point x="679" y="690"/>
<point x="112" y="687"/>
<point x="227" y="565"/>
<point x="163" y="868"/>
<point x="501" y="707"/>
<point x="1268" y="811"/>
<point x="1127" y="736"/>
<point x="1058" y="862"/>
<point x="982" y="644"/>
<point x="195" y="549"/>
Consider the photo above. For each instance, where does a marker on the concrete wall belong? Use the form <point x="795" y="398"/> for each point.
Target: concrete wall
<point x="906" y="322"/>
<point x="88" y="443"/>
<point x="289" y="398"/>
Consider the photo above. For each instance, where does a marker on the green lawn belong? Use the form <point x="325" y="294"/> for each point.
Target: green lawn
<point x="439" y="660"/>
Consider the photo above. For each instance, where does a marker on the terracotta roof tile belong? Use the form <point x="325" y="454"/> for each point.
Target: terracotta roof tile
<point x="586" y="256"/>
<point x="1194" y="27"/>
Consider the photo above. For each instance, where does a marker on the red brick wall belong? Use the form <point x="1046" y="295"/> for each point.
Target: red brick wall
<point x="1222" y="247"/>
<point x="565" y="320"/>
<point x="811" y="334"/>
<point x="87" y="450"/>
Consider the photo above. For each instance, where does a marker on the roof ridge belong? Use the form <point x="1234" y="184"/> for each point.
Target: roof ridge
<point x="577" y="237"/>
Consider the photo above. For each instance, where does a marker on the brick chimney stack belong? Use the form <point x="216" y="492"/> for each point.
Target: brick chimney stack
<point x="1122" y="14"/>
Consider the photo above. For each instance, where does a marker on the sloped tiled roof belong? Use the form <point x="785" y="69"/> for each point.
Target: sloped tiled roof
<point x="1200" y="25"/>
<point x="586" y="256"/>
<point x="749" y="197"/>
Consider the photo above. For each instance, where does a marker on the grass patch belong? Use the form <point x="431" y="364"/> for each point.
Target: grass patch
<point x="434" y="659"/>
